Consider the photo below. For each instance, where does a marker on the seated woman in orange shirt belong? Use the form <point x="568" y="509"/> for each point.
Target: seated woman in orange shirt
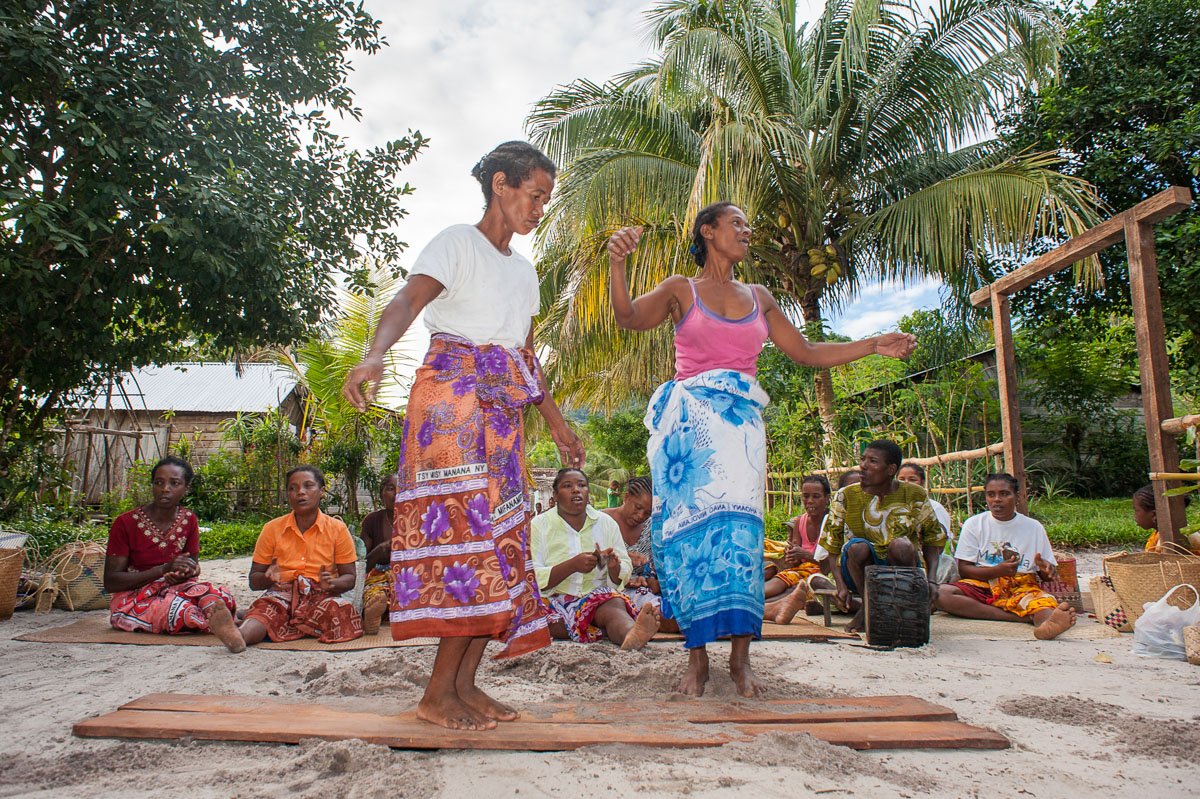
<point x="1146" y="517"/>
<point x="304" y="562"/>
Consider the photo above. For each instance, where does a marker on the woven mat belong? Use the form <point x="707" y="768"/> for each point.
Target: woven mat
<point x="96" y="630"/>
<point x="947" y="627"/>
<point x="801" y="629"/>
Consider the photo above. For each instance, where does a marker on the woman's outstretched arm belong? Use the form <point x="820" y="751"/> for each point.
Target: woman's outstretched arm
<point x="824" y="354"/>
<point x="649" y="310"/>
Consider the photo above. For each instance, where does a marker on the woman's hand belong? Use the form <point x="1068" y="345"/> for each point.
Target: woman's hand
<point x="638" y="559"/>
<point x="570" y="448"/>
<point x="369" y="371"/>
<point x="326" y="576"/>
<point x="1047" y="572"/>
<point x="180" y="570"/>
<point x="895" y="345"/>
<point x="624" y="243"/>
<point x="584" y="562"/>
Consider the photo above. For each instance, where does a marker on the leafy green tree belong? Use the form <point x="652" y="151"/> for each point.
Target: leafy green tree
<point x="846" y="143"/>
<point x="1125" y="114"/>
<point x="169" y="174"/>
<point x="344" y="440"/>
<point x="624" y="436"/>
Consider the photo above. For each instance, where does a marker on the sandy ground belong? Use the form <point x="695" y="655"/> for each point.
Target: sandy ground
<point x="1078" y="726"/>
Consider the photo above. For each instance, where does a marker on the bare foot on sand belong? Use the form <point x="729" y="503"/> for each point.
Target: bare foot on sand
<point x="447" y="710"/>
<point x="792" y="604"/>
<point x="1061" y="620"/>
<point x="372" y="615"/>
<point x="486" y="706"/>
<point x="743" y="678"/>
<point x="220" y="624"/>
<point x="859" y="623"/>
<point x="643" y="629"/>
<point x="696" y="675"/>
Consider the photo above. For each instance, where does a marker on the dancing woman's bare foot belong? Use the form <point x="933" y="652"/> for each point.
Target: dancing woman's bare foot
<point x="447" y="710"/>
<point x="486" y="706"/>
<point x="792" y="604"/>
<point x="696" y="675"/>
<point x="220" y="624"/>
<point x="743" y="677"/>
<point x="643" y="629"/>
<point x="1061" y="620"/>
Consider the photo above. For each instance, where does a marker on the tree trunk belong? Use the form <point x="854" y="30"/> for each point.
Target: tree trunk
<point x="810" y="306"/>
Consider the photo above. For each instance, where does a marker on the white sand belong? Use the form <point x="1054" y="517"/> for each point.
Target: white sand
<point x="1078" y="727"/>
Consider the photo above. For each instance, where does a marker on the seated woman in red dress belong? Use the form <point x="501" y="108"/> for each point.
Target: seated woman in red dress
<point x="151" y="566"/>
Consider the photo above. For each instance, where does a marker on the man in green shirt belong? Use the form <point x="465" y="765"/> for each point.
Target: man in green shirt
<point x="879" y="521"/>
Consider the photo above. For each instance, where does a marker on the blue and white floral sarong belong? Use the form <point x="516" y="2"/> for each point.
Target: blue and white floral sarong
<point x="708" y="459"/>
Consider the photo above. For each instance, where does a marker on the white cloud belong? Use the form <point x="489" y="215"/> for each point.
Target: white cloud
<point x="878" y="309"/>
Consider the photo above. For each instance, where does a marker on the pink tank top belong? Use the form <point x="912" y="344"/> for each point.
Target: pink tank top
<point x="705" y="340"/>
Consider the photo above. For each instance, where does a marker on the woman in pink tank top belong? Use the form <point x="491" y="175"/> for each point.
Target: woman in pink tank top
<point x="707" y="446"/>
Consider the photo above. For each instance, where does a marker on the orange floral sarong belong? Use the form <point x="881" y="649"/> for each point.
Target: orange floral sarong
<point x="1019" y="594"/>
<point x="460" y="545"/>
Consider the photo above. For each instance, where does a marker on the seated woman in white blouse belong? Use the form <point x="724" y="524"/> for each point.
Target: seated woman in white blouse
<point x="581" y="563"/>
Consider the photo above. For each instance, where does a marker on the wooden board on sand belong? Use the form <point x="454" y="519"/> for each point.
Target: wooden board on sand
<point x="901" y="722"/>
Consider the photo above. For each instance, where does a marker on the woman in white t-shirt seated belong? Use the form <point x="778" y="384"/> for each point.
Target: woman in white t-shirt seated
<point x="1001" y="555"/>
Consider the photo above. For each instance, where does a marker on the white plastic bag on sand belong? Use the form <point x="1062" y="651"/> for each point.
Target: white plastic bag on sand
<point x="1159" y="632"/>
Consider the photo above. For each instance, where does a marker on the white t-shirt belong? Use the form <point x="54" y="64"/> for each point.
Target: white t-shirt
<point x="490" y="298"/>
<point x="984" y="538"/>
<point x="943" y="517"/>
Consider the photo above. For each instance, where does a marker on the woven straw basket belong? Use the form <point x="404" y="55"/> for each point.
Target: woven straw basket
<point x="11" y="561"/>
<point x="79" y="572"/>
<point x="1108" y="605"/>
<point x="1191" y="643"/>
<point x="1141" y="577"/>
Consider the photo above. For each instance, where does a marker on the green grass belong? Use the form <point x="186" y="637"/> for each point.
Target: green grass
<point x="1094" y="522"/>
<point x="229" y="539"/>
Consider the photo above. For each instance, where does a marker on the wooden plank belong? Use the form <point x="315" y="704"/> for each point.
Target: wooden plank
<point x="1088" y="243"/>
<point x="892" y="734"/>
<point x="1155" y="375"/>
<point x="770" y="711"/>
<point x="395" y="732"/>
<point x="1010" y="401"/>
<point x="960" y="455"/>
<point x="1177" y="426"/>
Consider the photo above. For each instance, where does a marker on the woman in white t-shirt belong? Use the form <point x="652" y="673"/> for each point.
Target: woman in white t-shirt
<point x="1001" y="555"/>
<point x="460" y="556"/>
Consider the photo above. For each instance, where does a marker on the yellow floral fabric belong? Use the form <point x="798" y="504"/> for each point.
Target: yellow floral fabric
<point x="1019" y="594"/>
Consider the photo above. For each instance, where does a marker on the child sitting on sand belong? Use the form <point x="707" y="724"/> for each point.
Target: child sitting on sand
<point x="303" y="562"/>
<point x="379" y="588"/>
<point x="580" y="561"/>
<point x="1001" y="555"/>
<point x="794" y="566"/>
<point x="1145" y="516"/>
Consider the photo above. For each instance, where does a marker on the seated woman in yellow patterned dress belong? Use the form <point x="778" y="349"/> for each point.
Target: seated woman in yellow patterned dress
<point x="379" y="587"/>
<point x="1001" y="556"/>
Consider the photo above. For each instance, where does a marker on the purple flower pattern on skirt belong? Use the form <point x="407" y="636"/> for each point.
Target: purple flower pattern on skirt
<point x="492" y="361"/>
<point x="408" y="587"/>
<point x="479" y="515"/>
<point x="500" y="422"/>
<point x="425" y="434"/>
<point x="505" y="566"/>
<point x="435" y="521"/>
<point x="461" y="582"/>
<point x="511" y="471"/>
<point x="464" y="385"/>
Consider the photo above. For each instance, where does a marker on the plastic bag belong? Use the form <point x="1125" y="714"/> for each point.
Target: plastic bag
<point x="1159" y="631"/>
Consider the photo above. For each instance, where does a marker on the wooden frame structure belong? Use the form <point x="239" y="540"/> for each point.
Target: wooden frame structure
<point x="1136" y="227"/>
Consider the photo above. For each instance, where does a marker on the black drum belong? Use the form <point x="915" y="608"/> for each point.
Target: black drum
<point x="897" y="602"/>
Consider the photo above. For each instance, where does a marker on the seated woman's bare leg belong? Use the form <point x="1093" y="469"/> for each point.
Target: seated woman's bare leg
<point x="774" y="587"/>
<point x="953" y="601"/>
<point x="792" y="604"/>
<point x="696" y="675"/>
<point x="470" y="693"/>
<point x="441" y="703"/>
<point x="643" y="629"/>
<point x="1049" y="623"/>
<point x="221" y="624"/>
<point x="253" y="631"/>
<point x="613" y="618"/>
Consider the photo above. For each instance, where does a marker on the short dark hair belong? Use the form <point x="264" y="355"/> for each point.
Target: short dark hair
<point x="844" y="479"/>
<point x="1003" y="477"/>
<point x="389" y="476"/>
<point x="317" y="474"/>
<point x="890" y="450"/>
<point x="638" y="486"/>
<point x="916" y="467"/>
<point x="708" y="215"/>
<point x="1144" y="496"/>
<point x="563" y="472"/>
<point x="175" y="460"/>
<point x="820" y="480"/>
<point x="517" y="160"/>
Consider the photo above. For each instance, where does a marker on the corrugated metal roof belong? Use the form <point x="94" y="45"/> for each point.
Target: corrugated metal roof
<point x="202" y="388"/>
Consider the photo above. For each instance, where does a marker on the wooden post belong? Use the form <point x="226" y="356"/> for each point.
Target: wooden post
<point x="1010" y="403"/>
<point x="1156" y="376"/>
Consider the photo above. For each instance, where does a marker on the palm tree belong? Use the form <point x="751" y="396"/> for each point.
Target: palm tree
<point x="343" y="437"/>
<point x="848" y="145"/>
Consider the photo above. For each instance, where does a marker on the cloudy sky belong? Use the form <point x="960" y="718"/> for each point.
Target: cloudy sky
<point x="466" y="73"/>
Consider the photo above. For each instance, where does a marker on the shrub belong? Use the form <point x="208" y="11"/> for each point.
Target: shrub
<point x="229" y="539"/>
